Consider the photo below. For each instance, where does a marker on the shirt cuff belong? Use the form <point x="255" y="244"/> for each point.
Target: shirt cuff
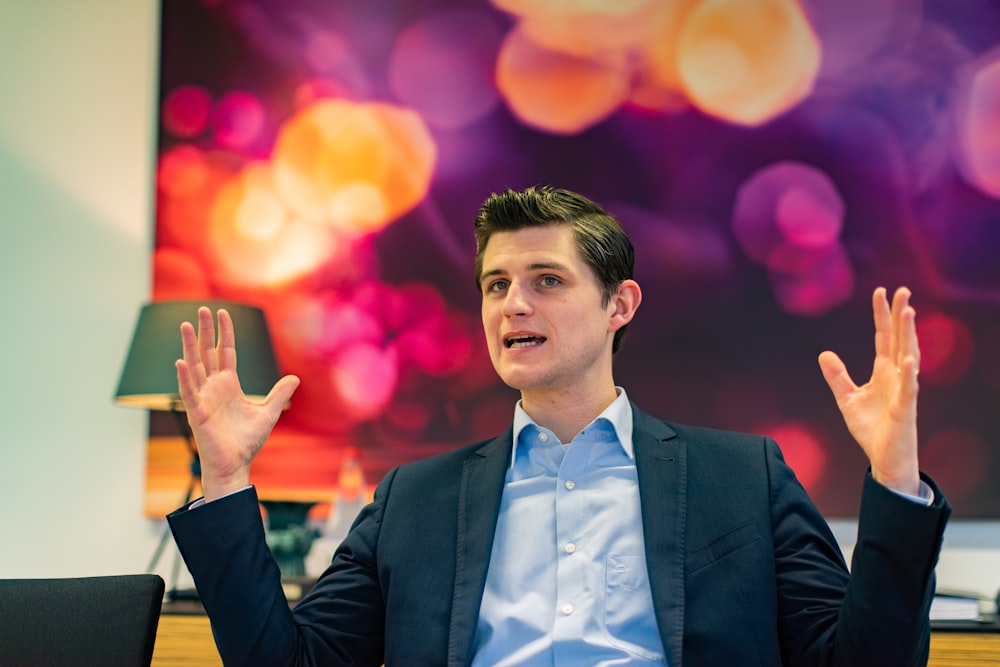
<point x="201" y="501"/>
<point x="925" y="496"/>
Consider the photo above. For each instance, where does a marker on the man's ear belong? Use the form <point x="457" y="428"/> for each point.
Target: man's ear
<point x="625" y="302"/>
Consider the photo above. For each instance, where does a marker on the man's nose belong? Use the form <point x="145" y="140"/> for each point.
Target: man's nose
<point x="516" y="302"/>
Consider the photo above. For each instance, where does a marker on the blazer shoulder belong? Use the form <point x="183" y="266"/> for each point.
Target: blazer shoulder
<point x="700" y="441"/>
<point x="690" y="433"/>
<point x="454" y="460"/>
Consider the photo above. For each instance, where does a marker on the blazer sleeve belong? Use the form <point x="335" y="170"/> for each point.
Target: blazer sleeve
<point x="881" y="617"/>
<point x="892" y="576"/>
<point x="339" y="622"/>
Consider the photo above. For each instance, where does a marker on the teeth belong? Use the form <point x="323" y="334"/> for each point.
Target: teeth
<point x="518" y="342"/>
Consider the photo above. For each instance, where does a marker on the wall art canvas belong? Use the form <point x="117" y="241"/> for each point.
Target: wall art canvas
<point x="774" y="161"/>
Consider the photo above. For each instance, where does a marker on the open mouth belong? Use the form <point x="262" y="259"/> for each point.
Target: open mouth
<point x="518" y="342"/>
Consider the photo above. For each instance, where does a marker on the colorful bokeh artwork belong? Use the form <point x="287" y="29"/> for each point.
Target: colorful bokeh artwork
<point x="773" y="160"/>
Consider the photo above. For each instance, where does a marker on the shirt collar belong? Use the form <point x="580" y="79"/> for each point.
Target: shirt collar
<point x="619" y="414"/>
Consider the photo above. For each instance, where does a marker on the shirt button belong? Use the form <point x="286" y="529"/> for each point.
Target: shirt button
<point x="567" y="609"/>
<point x="570" y="485"/>
<point x="544" y="437"/>
<point x="570" y="548"/>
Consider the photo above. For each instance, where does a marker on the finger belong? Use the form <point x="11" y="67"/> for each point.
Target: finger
<point x="186" y="385"/>
<point x="227" y="341"/>
<point x="884" y="342"/>
<point x="912" y="342"/>
<point x="899" y="302"/>
<point x="192" y="355"/>
<point x="904" y="320"/>
<point x="206" y="340"/>
<point x="836" y="376"/>
<point x="907" y="387"/>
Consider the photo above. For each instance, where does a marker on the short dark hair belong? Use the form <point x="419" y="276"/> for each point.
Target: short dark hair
<point x="600" y="239"/>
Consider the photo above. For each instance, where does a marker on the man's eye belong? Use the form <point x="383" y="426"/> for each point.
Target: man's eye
<point x="550" y="281"/>
<point x="498" y="285"/>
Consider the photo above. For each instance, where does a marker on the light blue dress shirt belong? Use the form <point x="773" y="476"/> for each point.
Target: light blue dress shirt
<point x="567" y="581"/>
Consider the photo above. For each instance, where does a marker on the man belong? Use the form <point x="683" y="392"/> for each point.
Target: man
<point x="590" y="533"/>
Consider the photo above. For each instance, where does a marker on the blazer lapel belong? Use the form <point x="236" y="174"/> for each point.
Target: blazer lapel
<point x="483" y="475"/>
<point x="661" y="465"/>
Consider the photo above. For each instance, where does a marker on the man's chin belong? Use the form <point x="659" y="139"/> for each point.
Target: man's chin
<point x="523" y="380"/>
<point x="513" y="378"/>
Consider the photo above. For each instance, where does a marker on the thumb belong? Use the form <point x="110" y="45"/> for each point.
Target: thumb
<point x="836" y="375"/>
<point x="282" y="390"/>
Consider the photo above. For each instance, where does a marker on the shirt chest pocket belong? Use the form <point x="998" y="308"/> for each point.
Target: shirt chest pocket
<point x="630" y="623"/>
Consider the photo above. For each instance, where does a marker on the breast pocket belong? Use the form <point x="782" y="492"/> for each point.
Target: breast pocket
<point x="630" y="623"/>
<point x="723" y="546"/>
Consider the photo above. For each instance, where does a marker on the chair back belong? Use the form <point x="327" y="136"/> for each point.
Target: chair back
<point x="108" y="621"/>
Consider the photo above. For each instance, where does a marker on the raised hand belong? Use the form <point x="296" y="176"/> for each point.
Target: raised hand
<point x="882" y="413"/>
<point x="228" y="428"/>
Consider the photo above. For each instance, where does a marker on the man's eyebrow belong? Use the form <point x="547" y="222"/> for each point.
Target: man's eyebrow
<point x="535" y="266"/>
<point x="491" y="273"/>
<point x="542" y="266"/>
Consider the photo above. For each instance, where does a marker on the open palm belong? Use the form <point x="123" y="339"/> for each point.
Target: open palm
<point x="882" y="413"/>
<point x="229" y="429"/>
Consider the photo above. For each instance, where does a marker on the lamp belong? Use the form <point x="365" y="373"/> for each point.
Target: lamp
<point x="149" y="377"/>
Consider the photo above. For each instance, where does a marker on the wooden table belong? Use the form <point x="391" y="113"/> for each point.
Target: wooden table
<point x="965" y="647"/>
<point x="185" y="640"/>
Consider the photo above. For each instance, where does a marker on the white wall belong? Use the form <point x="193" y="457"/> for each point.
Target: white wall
<point x="77" y="110"/>
<point x="77" y="90"/>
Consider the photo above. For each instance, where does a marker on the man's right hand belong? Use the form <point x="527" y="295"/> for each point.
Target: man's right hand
<point x="228" y="428"/>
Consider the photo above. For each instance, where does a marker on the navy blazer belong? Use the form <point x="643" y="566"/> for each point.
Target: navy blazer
<point x="743" y="568"/>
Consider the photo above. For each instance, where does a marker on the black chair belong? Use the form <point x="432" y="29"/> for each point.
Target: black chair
<point x="107" y="621"/>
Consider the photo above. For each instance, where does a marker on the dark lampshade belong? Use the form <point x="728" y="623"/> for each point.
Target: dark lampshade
<point x="149" y="379"/>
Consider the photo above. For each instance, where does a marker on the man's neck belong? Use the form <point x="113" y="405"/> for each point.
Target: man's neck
<point x="566" y="413"/>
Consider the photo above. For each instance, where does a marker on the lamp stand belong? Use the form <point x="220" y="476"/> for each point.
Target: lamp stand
<point x="173" y="593"/>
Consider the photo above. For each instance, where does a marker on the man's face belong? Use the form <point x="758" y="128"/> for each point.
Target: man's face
<point x="545" y="327"/>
